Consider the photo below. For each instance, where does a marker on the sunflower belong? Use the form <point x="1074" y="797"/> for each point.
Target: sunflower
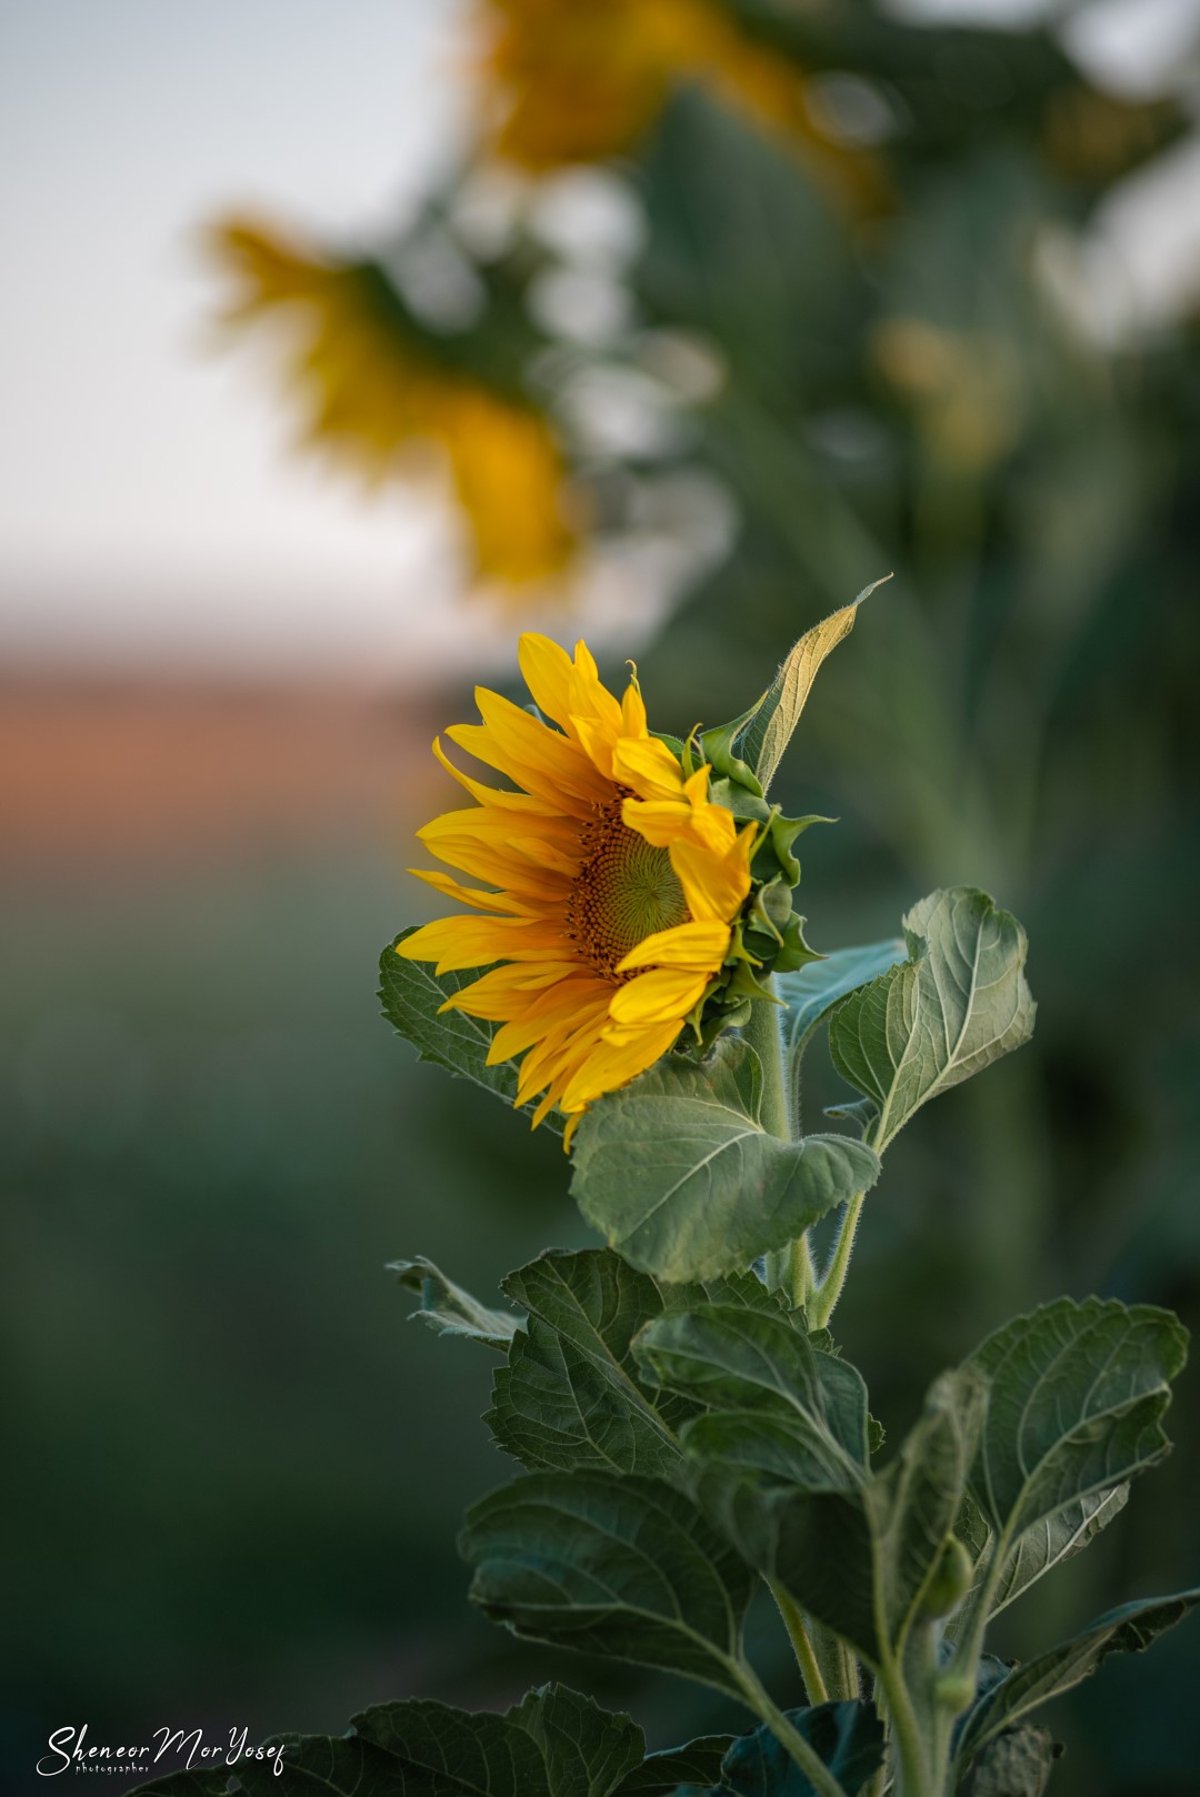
<point x="571" y="81"/>
<point x="617" y="883"/>
<point x="373" y="388"/>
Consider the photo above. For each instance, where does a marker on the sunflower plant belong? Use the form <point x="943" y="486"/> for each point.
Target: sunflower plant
<point x="632" y="976"/>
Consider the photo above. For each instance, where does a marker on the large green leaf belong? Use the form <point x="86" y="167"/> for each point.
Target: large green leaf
<point x="811" y="992"/>
<point x="1129" y="1629"/>
<point x="1039" y="1548"/>
<point x="412" y="995"/>
<point x="864" y="1559"/>
<point x="1078" y="1390"/>
<point x="449" y="1310"/>
<point x="742" y="1364"/>
<point x="956" y="1005"/>
<point x="627" y="1567"/>
<point x="554" y="1743"/>
<point x="847" y="1738"/>
<point x="571" y="1395"/>
<point x="660" y="1774"/>
<point x="678" y="1174"/>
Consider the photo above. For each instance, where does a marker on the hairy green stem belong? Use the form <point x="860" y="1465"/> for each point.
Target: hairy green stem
<point x="793" y="1621"/>
<point x="829" y="1287"/>
<point x="839" y="1668"/>
<point x="906" y="1733"/>
<point x="762" y="1032"/>
<point x="789" y="1269"/>
<point x="801" y="1751"/>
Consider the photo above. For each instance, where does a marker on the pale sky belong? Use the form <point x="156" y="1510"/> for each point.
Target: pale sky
<point x="150" y="506"/>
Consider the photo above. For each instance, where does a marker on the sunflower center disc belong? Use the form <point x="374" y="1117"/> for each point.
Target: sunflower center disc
<point x="625" y="891"/>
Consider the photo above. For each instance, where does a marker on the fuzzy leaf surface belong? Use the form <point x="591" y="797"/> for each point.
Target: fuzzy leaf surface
<point x="958" y="1003"/>
<point x="1041" y="1547"/>
<point x="1078" y="1390"/>
<point x="751" y="1368"/>
<point x="680" y="1177"/>
<point x="571" y="1395"/>
<point x="627" y="1567"/>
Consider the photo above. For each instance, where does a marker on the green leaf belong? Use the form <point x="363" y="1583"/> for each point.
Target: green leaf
<point x="555" y="1743"/>
<point x="627" y="1567"/>
<point x="743" y="1364"/>
<point x="412" y="995"/>
<point x="1040" y="1548"/>
<point x="449" y="1310"/>
<point x="1129" y="1629"/>
<point x="680" y="1177"/>
<point x="660" y="1774"/>
<point x="866" y="1558"/>
<point x="1077" y="1393"/>
<point x="812" y="991"/>
<point x="848" y="1738"/>
<point x="769" y="729"/>
<point x="956" y="1005"/>
<point x="1017" y="1763"/>
<point x="571" y="1395"/>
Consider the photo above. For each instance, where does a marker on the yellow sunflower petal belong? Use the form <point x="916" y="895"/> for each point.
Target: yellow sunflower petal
<point x="715" y="886"/>
<point x="700" y="946"/>
<point x="546" y="669"/>
<point x="649" y="767"/>
<point x="470" y="895"/>
<point x="663" y="995"/>
<point x="455" y="943"/>
<point x="613" y="1064"/>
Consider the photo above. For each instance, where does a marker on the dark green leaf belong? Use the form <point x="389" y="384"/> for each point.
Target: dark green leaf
<point x="741" y="1364"/>
<point x="626" y="1567"/>
<point x="555" y="1743"/>
<point x="1044" y="1544"/>
<point x="858" y="1558"/>
<point x="848" y="1737"/>
<point x="571" y="1395"/>
<point x="660" y="1774"/>
<point x="957" y="1004"/>
<point x="412" y="996"/>
<point x="449" y="1310"/>
<point x="681" y="1178"/>
<point x="1129" y="1629"/>
<point x="1077" y="1393"/>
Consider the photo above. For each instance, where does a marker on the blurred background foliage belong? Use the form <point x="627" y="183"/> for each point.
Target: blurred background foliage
<point x="769" y="299"/>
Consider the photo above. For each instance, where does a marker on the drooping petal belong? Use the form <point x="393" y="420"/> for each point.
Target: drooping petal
<point x="700" y="945"/>
<point x="663" y="994"/>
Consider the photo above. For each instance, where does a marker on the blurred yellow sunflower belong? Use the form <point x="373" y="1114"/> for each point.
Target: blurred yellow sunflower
<point x="617" y="882"/>
<point x="573" y="81"/>
<point x="373" y="392"/>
